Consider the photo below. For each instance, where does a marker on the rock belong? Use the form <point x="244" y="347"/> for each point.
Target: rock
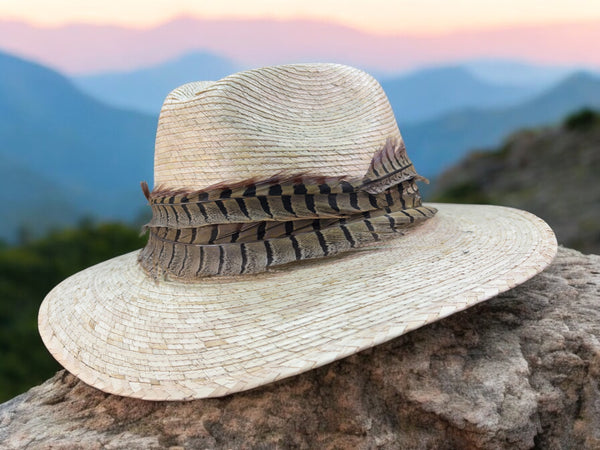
<point x="521" y="370"/>
<point x="551" y="172"/>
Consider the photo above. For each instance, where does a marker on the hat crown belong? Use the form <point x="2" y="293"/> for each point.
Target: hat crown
<point x="322" y="119"/>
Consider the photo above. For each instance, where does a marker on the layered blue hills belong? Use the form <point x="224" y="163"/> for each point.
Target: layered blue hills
<point x="65" y="155"/>
<point x="145" y="89"/>
<point x="65" y="151"/>
<point x="32" y="201"/>
<point x="435" y="144"/>
<point x="428" y="93"/>
<point x="416" y="96"/>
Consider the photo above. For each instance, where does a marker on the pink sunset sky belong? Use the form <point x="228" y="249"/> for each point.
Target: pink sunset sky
<point x="374" y="16"/>
<point x="118" y="34"/>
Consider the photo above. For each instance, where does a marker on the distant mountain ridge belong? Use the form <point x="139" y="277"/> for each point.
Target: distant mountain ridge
<point x="80" y="49"/>
<point x="145" y="89"/>
<point x="426" y="93"/>
<point x="551" y="172"/>
<point x="518" y="73"/>
<point x="435" y="144"/>
<point x="77" y="147"/>
<point x="416" y="96"/>
<point x="32" y="202"/>
<point x="67" y="155"/>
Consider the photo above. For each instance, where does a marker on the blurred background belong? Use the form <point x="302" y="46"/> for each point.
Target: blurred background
<point x="497" y="102"/>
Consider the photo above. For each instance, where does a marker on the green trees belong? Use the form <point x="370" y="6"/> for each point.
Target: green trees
<point x="28" y="271"/>
<point x="582" y="120"/>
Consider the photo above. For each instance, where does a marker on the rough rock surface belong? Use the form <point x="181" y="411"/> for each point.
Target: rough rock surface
<point x="551" y="172"/>
<point x="519" y="371"/>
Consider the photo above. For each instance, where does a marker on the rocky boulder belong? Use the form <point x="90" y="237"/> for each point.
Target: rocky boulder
<point x="519" y="371"/>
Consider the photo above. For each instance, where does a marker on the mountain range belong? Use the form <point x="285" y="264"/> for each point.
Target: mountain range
<point x="64" y="154"/>
<point x="435" y="144"/>
<point x="33" y="202"/>
<point x="427" y="93"/>
<point x="416" y="96"/>
<point x="86" y="48"/>
<point x="551" y="172"/>
<point x="145" y="89"/>
<point x="513" y="72"/>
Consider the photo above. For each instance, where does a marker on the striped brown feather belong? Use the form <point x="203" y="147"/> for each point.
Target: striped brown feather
<point x="256" y="256"/>
<point x="251" y="225"/>
<point x="275" y="208"/>
<point x="389" y="166"/>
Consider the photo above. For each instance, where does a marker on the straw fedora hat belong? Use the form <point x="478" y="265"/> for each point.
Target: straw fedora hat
<point x="287" y="232"/>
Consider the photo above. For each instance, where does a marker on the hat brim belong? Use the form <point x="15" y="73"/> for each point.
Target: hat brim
<point x="124" y="333"/>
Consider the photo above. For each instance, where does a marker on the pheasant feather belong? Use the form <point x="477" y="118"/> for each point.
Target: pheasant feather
<point x="250" y="226"/>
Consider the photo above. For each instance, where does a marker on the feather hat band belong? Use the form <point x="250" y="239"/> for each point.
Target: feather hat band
<point x="287" y="232"/>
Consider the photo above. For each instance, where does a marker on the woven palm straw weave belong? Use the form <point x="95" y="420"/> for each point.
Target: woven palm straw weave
<point x="123" y="332"/>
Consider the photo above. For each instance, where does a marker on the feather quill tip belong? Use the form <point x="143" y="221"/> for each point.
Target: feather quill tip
<point x="145" y="190"/>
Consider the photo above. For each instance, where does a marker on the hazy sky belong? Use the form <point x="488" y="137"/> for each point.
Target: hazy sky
<point x="384" y="16"/>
